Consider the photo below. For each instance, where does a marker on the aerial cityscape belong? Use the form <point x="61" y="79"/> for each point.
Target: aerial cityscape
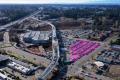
<point x="51" y="41"/>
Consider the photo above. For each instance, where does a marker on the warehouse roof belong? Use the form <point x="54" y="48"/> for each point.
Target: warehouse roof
<point x="37" y="35"/>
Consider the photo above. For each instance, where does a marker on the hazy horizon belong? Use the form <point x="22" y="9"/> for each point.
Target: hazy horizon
<point x="60" y="2"/>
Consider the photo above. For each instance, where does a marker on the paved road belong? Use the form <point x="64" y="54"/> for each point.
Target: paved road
<point x="19" y="20"/>
<point x="55" y="57"/>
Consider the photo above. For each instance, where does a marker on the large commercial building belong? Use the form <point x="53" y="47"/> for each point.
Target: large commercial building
<point x="36" y="37"/>
<point x="20" y="68"/>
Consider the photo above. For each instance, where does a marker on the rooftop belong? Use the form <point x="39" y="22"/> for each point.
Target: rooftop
<point x="37" y="35"/>
<point x="99" y="64"/>
<point x="19" y="67"/>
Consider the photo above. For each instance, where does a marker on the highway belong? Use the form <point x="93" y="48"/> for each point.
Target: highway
<point x="19" y="20"/>
<point x="55" y="47"/>
<point x="55" y="56"/>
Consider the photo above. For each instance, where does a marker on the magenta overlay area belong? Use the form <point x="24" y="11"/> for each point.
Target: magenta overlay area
<point x="81" y="48"/>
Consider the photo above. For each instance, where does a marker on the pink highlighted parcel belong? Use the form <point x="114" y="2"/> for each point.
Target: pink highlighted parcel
<point x="81" y="48"/>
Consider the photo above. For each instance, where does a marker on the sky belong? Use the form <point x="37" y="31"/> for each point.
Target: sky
<point x="59" y="1"/>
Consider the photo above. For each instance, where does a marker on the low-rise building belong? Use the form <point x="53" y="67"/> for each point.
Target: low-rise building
<point x="109" y="57"/>
<point x="36" y="37"/>
<point x="19" y="68"/>
<point x="116" y="47"/>
<point x="99" y="64"/>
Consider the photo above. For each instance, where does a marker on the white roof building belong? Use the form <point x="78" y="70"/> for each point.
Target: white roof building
<point x="32" y="34"/>
<point x="19" y="67"/>
<point x="99" y="64"/>
<point x="36" y="37"/>
<point x="26" y="35"/>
